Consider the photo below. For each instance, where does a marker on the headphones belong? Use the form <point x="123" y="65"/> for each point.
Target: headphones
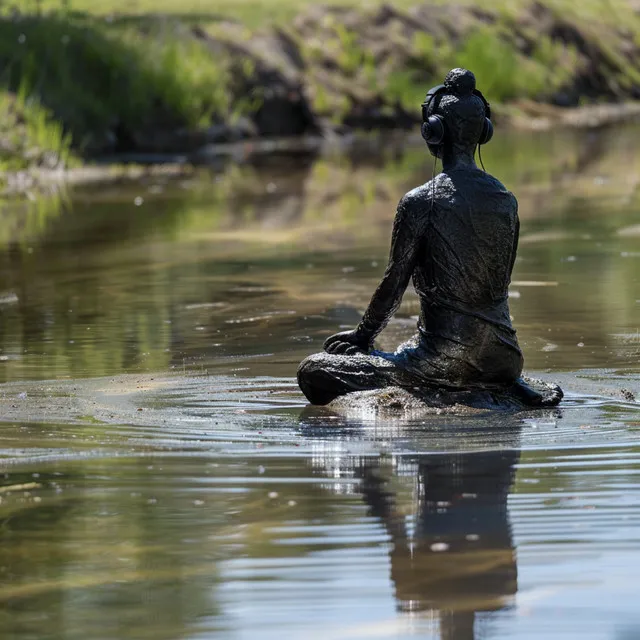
<point x="433" y="127"/>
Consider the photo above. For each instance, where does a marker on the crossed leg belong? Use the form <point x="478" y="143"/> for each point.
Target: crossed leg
<point x="324" y="376"/>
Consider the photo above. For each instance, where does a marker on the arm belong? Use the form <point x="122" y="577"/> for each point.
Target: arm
<point x="388" y="295"/>
<point x="514" y="250"/>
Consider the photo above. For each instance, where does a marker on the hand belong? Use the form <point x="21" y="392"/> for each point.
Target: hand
<point x="347" y="343"/>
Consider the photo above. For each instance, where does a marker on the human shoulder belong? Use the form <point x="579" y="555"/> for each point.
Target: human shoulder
<point x="498" y="186"/>
<point x="420" y="197"/>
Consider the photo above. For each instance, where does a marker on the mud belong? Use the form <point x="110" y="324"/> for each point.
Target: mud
<point x="394" y="401"/>
<point x="155" y="400"/>
<point x="316" y="75"/>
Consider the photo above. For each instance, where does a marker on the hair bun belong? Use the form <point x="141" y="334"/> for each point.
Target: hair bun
<point x="460" y="82"/>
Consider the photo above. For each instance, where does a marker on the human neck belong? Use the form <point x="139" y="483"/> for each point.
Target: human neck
<point x="456" y="159"/>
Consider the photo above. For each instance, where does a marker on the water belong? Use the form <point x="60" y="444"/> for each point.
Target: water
<point x="161" y="477"/>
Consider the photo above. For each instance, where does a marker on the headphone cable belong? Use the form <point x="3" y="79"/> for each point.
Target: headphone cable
<point x="480" y="158"/>
<point x="433" y="183"/>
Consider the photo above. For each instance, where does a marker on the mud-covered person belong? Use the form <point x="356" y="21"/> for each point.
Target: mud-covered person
<point x="456" y="237"/>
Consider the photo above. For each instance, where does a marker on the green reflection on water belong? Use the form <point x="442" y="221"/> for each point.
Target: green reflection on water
<point x="269" y="258"/>
<point x="178" y="546"/>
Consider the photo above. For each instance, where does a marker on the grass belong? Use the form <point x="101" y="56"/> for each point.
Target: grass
<point x="68" y="80"/>
<point x="30" y="134"/>
<point x="263" y="12"/>
<point x="74" y="71"/>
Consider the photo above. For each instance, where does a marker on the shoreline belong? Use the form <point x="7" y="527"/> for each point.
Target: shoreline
<point x="90" y="86"/>
<point x="134" y="166"/>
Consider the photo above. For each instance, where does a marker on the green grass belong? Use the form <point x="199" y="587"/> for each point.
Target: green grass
<point x="73" y="71"/>
<point x="90" y="71"/>
<point x="30" y="135"/>
<point x="263" y="12"/>
<point x="67" y="80"/>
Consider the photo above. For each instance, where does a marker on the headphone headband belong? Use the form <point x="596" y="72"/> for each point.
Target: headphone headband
<point x="429" y="98"/>
<point x="441" y="89"/>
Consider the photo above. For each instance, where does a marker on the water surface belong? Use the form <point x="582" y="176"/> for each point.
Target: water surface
<point x="164" y="479"/>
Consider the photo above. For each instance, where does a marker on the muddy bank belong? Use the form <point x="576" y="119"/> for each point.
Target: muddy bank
<point x="128" y="166"/>
<point x="336" y="70"/>
<point x="195" y="86"/>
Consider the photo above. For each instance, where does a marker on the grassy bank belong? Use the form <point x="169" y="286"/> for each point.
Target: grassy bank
<point x="82" y="78"/>
<point x="256" y="13"/>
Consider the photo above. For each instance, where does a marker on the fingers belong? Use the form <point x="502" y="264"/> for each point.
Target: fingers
<point x="342" y="348"/>
<point x="332" y="340"/>
<point x="328" y="343"/>
<point x="333" y="347"/>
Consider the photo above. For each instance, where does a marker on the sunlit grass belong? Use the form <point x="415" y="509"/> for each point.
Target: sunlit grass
<point x="31" y="135"/>
<point x="261" y="12"/>
<point x="68" y="80"/>
<point x="73" y="71"/>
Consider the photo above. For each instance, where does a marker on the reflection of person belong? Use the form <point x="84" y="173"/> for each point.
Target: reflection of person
<point x="456" y="237"/>
<point x="460" y="559"/>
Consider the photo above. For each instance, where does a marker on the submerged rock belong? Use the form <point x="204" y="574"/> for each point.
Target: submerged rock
<point x="426" y="401"/>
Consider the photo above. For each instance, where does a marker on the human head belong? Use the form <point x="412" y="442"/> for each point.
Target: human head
<point x="463" y="113"/>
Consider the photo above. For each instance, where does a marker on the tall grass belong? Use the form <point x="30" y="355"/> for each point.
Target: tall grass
<point x="89" y="70"/>
<point x="30" y="135"/>
<point x="72" y="79"/>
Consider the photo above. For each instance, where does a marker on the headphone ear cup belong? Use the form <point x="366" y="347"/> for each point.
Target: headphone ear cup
<point x="487" y="132"/>
<point x="433" y="130"/>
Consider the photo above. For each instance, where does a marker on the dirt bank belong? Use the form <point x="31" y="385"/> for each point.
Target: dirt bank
<point x="83" y="87"/>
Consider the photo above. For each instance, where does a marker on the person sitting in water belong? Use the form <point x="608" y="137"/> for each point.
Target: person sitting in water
<point x="456" y="237"/>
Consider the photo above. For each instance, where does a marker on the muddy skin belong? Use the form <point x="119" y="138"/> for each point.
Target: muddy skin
<point x="456" y="238"/>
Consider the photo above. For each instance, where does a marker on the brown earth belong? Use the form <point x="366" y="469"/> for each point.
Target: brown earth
<point x="312" y="77"/>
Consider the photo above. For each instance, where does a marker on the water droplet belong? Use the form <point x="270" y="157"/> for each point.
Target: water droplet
<point x="138" y="201"/>
<point x="273" y="494"/>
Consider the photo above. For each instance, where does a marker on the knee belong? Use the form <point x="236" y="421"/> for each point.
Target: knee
<point x="315" y="381"/>
<point x="307" y="368"/>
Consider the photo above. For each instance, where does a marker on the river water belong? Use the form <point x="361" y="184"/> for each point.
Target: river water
<point x="161" y="476"/>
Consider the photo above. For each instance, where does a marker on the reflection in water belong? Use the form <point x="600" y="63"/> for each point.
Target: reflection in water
<point x="87" y="562"/>
<point x="216" y="523"/>
<point x="459" y="559"/>
<point x="263" y="259"/>
<point x="214" y="513"/>
<point x="452" y="554"/>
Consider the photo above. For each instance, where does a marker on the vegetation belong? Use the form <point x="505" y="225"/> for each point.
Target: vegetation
<point x="70" y="80"/>
<point x="80" y="78"/>
<point x="263" y="12"/>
